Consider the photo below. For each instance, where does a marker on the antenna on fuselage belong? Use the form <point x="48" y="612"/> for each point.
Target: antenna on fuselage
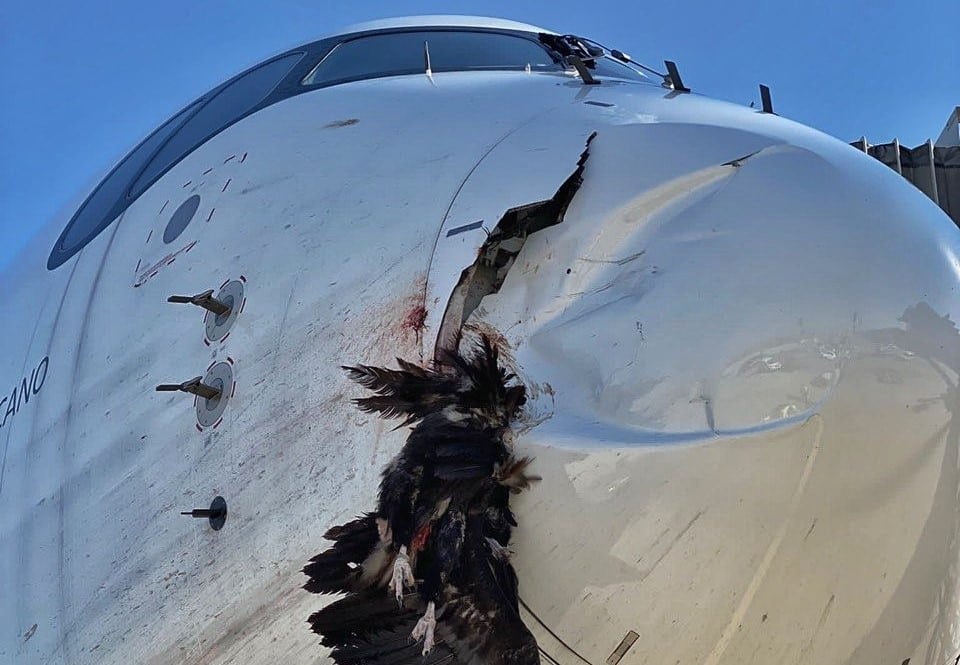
<point x="765" y="101"/>
<point x="216" y="514"/>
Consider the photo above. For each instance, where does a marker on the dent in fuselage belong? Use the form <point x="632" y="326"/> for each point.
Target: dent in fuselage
<point x="21" y="393"/>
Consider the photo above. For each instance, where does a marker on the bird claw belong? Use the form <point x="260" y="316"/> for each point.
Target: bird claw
<point x="402" y="574"/>
<point x="425" y="627"/>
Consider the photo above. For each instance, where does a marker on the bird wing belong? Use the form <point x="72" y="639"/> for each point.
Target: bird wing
<point x="450" y="456"/>
<point x="479" y="621"/>
<point x="476" y="625"/>
<point x="339" y="568"/>
<point x="368" y="628"/>
<point x="410" y="392"/>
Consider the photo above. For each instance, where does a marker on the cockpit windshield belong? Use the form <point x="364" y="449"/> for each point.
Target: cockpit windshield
<point x="594" y="60"/>
<point x="396" y="53"/>
<point x="607" y="66"/>
<point x="326" y="62"/>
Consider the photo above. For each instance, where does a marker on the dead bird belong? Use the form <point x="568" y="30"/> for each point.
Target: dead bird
<point x="438" y="538"/>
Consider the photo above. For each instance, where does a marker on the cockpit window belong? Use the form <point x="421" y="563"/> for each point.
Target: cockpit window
<point x="391" y="54"/>
<point x="100" y="207"/>
<point x="333" y="60"/>
<point x="608" y="67"/>
<point x="226" y="107"/>
<point x="165" y="148"/>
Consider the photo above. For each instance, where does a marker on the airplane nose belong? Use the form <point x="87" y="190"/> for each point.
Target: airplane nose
<point x="743" y="370"/>
<point x="721" y="290"/>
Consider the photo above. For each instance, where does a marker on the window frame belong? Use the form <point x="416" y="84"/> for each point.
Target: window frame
<point x="312" y="55"/>
<point x="344" y="39"/>
<point x="62" y="252"/>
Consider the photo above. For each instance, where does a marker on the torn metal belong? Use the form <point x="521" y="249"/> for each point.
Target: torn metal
<point x="498" y="253"/>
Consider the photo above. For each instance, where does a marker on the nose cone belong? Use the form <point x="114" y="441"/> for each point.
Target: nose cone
<point x="743" y="368"/>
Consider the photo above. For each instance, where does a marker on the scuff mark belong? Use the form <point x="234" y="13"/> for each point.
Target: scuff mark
<point x="676" y="539"/>
<point x="653" y="545"/>
<point x="826" y="612"/>
<point x="619" y="262"/>
<point x="336" y="124"/>
<point x="736" y="620"/>
<point x="162" y="263"/>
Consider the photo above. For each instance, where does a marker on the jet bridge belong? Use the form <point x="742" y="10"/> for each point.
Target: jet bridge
<point x="933" y="167"/>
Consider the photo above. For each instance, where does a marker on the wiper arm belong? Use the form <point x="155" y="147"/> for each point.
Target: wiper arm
<point x="587" y="51"/>
<point x="582" y="70"/>
<point x="575" y="52"/>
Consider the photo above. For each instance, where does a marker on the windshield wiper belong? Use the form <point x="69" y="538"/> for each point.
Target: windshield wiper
<point x="582" y="54"/>
<point x="575" y="52"/>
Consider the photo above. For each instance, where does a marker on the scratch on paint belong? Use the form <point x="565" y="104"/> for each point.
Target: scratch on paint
<point x="826" y="612"/>
<point x="808" y="645"/>
<point x="162" y="263"/>
<point x="747" y="599"/>
<point x="675" y="540"/>
<point x="341" y="123"/>
<point x="619" y="262"/>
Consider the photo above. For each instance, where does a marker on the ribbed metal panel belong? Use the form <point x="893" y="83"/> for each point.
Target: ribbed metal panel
<point x="933" y="170"/>
<point x="946" y="164"/>
<point x="917" y="166"/>
<point x="888" y="153"/>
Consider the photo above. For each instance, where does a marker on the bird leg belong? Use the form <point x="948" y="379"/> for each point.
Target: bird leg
<point x="383" y="530"/>
<point x="425" y="627"/>
<point x="499" y="551"/>
<point x="402" y="574"/>
<point x="512" y="474"/>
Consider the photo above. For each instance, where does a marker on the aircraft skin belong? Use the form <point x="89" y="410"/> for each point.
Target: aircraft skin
<point x="738" y="343"/>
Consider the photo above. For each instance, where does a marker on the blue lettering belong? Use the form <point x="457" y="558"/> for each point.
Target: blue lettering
<point x="24" y="392"/>
<point x="21" y="394"/>
<point x="44" y="364"/>
<point x="11" y="407"/>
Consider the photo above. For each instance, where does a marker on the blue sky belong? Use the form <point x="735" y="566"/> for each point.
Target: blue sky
<point x="82" y="82"/>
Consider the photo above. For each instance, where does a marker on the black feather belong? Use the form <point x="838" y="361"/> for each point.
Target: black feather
<point x="444" y="499"/>
<point x="338" y="568"/>
<point x="370" y="628"/>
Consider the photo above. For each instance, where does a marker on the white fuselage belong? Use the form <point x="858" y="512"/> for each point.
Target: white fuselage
<point x="744" y="384"/>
